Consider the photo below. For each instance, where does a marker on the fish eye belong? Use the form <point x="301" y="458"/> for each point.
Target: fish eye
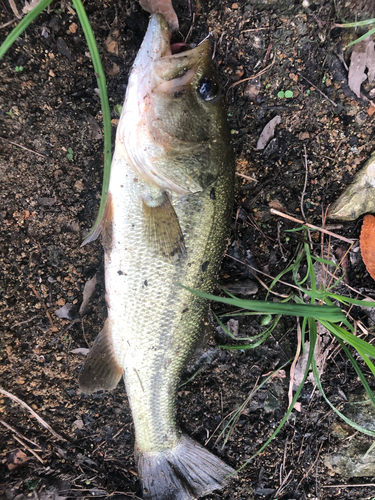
<point x="208" y="88"/>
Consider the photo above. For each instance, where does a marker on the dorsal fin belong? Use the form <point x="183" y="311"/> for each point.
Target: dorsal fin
<point x="100" y="370"/>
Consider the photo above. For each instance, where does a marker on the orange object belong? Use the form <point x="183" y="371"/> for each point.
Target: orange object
<point x="367" y="244"/>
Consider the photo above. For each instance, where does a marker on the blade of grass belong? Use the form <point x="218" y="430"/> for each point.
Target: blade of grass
<point x="330" y="313"/>
<point x="236" y="415"/>
<point x="348" y="300"/>
<point x="253" y="341"/>
<point x="313" y="337"/>
<point x="357" y="24"/>
<point x="358" y="344"/>
<point x="22" y="25"/>
<point x="358" y="371"/>
<point x="369" y="33"/>
<point x="289" y="411"/>
<point x="100" y="76"/>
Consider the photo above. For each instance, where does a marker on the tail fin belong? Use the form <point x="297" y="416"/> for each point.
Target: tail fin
<point x="186" y="472"/>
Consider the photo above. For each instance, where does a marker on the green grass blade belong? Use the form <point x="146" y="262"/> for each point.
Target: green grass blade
<point x="253" y="341"/>
<point x="347" y="420"/>
<point x="348" y="300"/>
<point x="332" y="313"/>
<point x="236" y="415"/>
<point x="363" y="347"/>
<point x="369" y="33"/>
<point x="357" y="24"/>
<point x="290" y="409"/>
<point x="22" y="25"/>
<point x="100" y="76"/>
<point x="358" y="371"/>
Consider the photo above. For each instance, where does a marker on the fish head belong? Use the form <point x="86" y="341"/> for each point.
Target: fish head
<point x="174" y="127"/>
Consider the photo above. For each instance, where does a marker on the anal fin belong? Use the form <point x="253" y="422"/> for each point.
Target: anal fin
<point x="100" y="370"/>
<point x="162" y="228"/>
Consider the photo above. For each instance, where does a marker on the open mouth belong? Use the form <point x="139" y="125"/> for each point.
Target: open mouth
<point x="177" y="48"/>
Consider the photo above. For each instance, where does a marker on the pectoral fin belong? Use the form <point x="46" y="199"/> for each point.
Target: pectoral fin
<point x="101" y="370"/>
<point x="162" y="228"/>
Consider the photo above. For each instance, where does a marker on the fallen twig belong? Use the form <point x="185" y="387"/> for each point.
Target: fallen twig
<point x="348" y="485"/>
<point x="18" y="433"/>
<point x="14" y="9"/>
<point x="254" y="76"/>
<point x="273" y="211"/>
<point x="246" y="177"/>
<point x="305" y="184"/>
<point x="298" y="350"/>
<point x="39" y="419"/>
<point x="65" y="330"/>
<point x="23" y="147"/>
<point x="8" y="23"/>
<point x="43" y="304"/>
<point x="316" y="88"/>
<point x="29" y="449"/>
<point x="26" y="321"/>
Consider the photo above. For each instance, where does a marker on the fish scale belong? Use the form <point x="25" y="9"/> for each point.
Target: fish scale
<point x="163" y="229"/>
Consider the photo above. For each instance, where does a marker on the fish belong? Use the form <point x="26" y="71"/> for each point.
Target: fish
<point x="164" y="228"/>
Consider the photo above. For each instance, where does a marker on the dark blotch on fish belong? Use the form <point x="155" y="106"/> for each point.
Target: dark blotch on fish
<point x="179" y="93"/>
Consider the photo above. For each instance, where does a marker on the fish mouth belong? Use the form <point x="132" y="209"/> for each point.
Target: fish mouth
<point x="163" y="61"/>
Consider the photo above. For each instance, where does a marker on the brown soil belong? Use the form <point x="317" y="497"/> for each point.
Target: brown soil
<point x="50" y="194"/>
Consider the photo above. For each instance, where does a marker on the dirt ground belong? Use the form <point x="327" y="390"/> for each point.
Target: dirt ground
<point x="50" y="183"/>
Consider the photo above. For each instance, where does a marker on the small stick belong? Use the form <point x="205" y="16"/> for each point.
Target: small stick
<point x="191" y="28"/>
<point x="254" y="76"/>
<point x="39" y="419"/>
<point x="265" y="274"/>
<point x="14" y="9"/>
<point x="316" y="88"/>
<point x="43" y="304"/>
<point x="298" y="350"/>
<point x="273" y="211"/>
<point x="348" y="485"/>
<point x="246" y="177"/>
<point x="305" y="184"/>
<point x="8" y="23"/>
<point x="308" y="472"/>
<point x="18" y="433"/>
<point x="23" y="147"/>
<point x="26" y="321"/>
<point x="254" y="29"/>
<point x="65" y="330"/>
<point x="28" y="448"/>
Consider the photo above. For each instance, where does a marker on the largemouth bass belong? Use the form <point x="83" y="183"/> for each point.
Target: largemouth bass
<point x="165" y="225"/>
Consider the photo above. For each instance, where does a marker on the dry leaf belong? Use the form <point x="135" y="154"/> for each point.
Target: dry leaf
<point x="87" y="294"/>
<point x="114" y="70"/>
<point x="15" y="459"/>
<point x="358" y="198"/>
<point x="367" y="243"/>
<point x="363" y="56"/>
<point x="370" y="61"/>
<point x="164" y="7"/>
<point x="30" y="5"/>
<point x="80" y="350"/>
<point x="112" y="46"/>
<point x="64" y="312"/>
<point x="78" y="424"/>
<point x="268" y="132"/>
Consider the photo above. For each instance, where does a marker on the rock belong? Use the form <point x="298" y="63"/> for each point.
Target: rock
<point x="358" y="198"/>
<point x="351" y="459"/>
